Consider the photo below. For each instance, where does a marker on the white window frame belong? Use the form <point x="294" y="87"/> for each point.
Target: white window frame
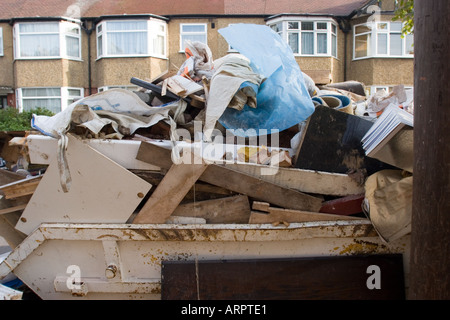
<point x="375" y="33"/>
<point x="283" y="30"/>
<point x="152" y="31"/>
<point x="126" y="87"/>
<point x="184" y="33"/>
<point x="64" y="96"/>
<point x="61" y="36"/>
<point x="1" y="42"/>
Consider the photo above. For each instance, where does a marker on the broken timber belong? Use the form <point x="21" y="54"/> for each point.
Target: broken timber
<point x="236" y="181"/>
<point x="170" y="192"/>
<point x="267" y="214"/>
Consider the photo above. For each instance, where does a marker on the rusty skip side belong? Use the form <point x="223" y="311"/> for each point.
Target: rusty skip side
<point x="171" y="232"/>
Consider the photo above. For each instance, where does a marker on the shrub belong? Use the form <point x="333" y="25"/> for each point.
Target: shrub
<point x="13" y="120"/>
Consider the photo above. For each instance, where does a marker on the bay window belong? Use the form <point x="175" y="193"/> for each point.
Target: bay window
<point x="1" y="41"/>
<point x="131" y="38"/>
<point x="381" y="39"/>
<point x="54" y="99"/>
<point x="42" y="40"/>
<point x="308" y="37"/>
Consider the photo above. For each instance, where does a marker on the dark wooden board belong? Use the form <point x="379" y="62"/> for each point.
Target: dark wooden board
<point x="312" y="278"/>
<point x="332" y="143"/>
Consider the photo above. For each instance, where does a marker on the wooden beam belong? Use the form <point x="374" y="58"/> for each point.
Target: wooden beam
<point x="170" y="192"/>
<point x="236" y="181"/>
<point x="20" y="188"/>
<point x="234" y="209"/>
<point x="280" y="215"/>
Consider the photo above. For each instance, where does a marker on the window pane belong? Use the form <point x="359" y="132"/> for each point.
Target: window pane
<point x="382" y="26"/>
<point x="292" y="25"/>
<point x="396" y="44"/>
<point x="199" y="37"/>
<point x="322" y="25"/>
<point x="382" y="44"/>
<point x="409" y="44"/>
<point x="127" y="43"/>
<point x="100" y="46"/>
<point x="72" y="47"/>
<point x="126" y="25"/>
<point x="362" y="46"/>
<point x="41" y="92"/>
<point x="74" y="92"/>
<point x="53" y="105"/>
<point x="158" y="45"/>
<point x="396" y="26"/>
<point x="362" y="29"/>
<point x="307" y="42"/>
<point x="334" y="46"/>
<point x="39" y="45"/>
<point x="322" y="43"/>
<point x="193" y="28"/>
<point x="293" y="41"/>
<point x="307" y="25"/>
<point x="333" y="28"/>
<point x="276" y="27"/>
<point x="49" y="27"/>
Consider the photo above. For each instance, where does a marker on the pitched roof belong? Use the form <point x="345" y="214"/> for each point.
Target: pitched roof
<point x="95" y="8"/>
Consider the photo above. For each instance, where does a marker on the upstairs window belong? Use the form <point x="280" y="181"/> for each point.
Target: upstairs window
<point x="308" y="37"/>
<point x="1" y="41"/>
<point x="40" y="40"/>
<point x="192" y="32"/>
<point x="131" y="38"/>
<point x="381" y="39"/>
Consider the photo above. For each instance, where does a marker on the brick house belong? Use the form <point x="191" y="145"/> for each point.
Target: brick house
<point x="55" y="51"/>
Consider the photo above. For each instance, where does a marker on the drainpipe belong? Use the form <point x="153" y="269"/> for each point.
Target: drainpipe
<point x="344" y="25"/>
<point x="89" y="32"/>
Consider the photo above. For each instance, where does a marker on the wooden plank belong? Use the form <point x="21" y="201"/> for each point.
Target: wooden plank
<point x="20" y="188"/>
<point x="236" y="181"/>
<point x="280" y="215"/>
<point x="12" y="209"/>
<point x="223" y="210"/>
<point x="101" y="191"/>
<point x="304" y="278"/>
<point x="170" y="192"/>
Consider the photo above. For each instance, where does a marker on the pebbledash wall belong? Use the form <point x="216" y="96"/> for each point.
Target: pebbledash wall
<point x="327" y="48"/>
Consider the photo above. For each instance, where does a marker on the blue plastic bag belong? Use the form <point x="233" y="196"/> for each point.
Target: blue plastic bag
<point x="283" y="99"/>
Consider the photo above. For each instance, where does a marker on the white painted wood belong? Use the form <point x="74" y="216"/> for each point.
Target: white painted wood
<point x="7" y="293"/>
<point x="42" y="150"/>
<point x="101" y="191"/>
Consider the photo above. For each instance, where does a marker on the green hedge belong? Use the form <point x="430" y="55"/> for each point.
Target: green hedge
<point x="13" y="120"/>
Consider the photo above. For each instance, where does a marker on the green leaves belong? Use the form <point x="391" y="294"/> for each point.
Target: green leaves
<point x="13" y="120"/>
<point x="405" y="13"/>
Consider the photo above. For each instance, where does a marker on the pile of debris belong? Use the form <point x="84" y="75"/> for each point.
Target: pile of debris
<point x="171" y="152"/>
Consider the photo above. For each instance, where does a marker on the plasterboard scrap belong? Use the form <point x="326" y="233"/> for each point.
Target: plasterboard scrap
<point x="101" y="191"/>
<point x="42" y="150"/>
<point x="234" y="209"/>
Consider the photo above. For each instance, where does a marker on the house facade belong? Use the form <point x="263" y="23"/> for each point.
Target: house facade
<point x="55" y="52"/>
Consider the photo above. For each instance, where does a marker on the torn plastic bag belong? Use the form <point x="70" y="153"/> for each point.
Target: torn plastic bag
<point x="233" y="85"/>
<point x="199" y="60"/>
<point x="283" y="99"/>
<point x="122" y="109"/>
<point x="388" y="203"/>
